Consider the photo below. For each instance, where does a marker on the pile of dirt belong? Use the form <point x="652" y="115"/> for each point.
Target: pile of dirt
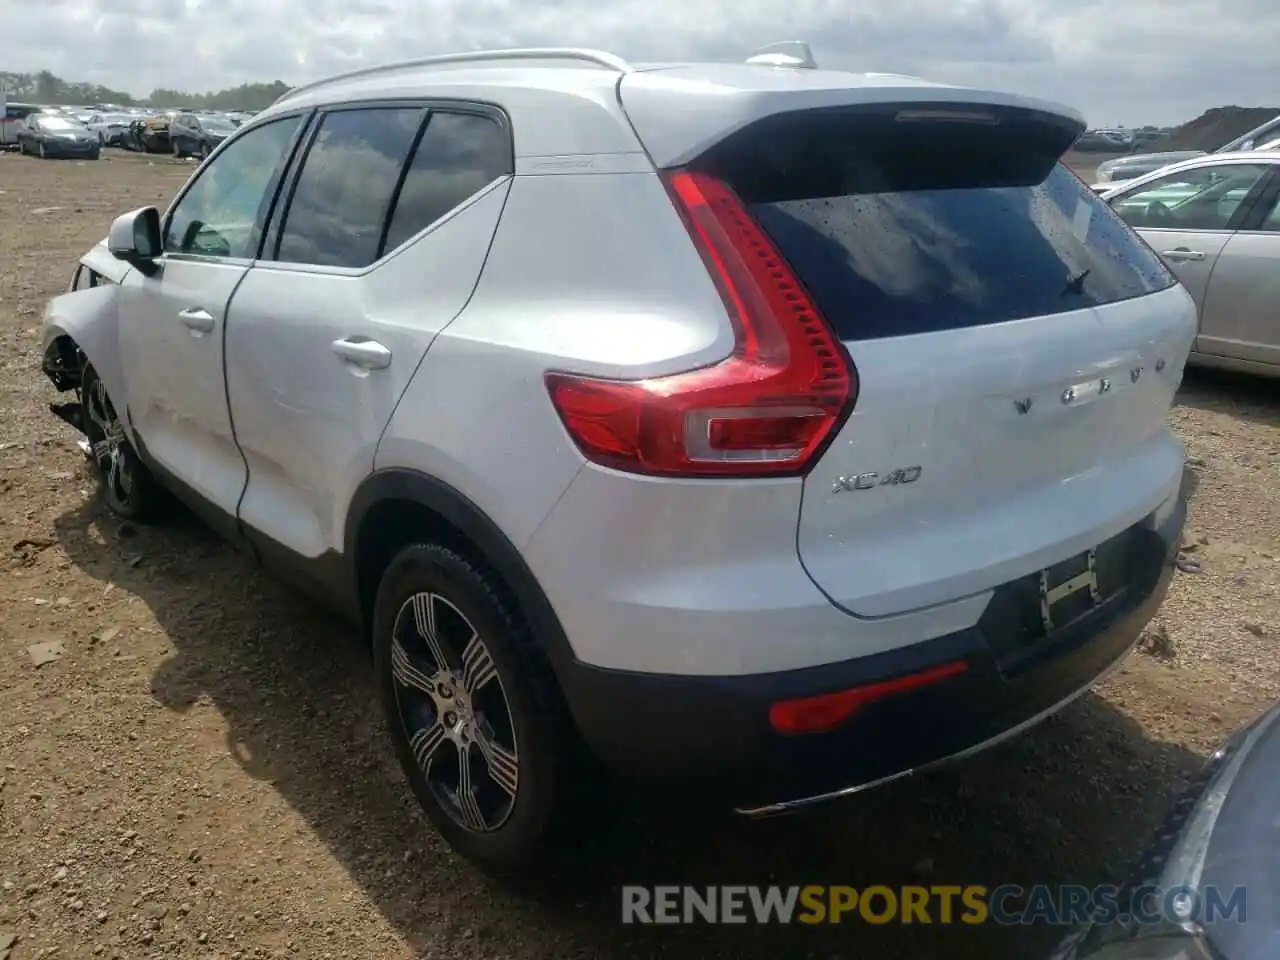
<point x="1215" y="127"/>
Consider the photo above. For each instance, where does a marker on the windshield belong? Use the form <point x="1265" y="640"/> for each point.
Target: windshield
<point x="59" y="123"/>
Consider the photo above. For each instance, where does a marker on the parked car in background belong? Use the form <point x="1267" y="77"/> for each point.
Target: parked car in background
<point x="52" y="135"/>
<point x="1255" y="138"/>
<point x="831" y="463"/>
<point x="111" y="128"/>
<point x="1215" y="220"/>
<point x="1218" y="839"/>
<point x="148" y="134"/>
<point x="1122" y="169"/>
<point x="197" y="135"/>
<point x="14" y="119"/>
<point x="1101" y="141"/>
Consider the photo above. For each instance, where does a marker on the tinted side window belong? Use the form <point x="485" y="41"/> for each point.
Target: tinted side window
<point x="460" y="154"/>
<point x="217" y="216"/>
<point x="344" y="192"/>
<point x="889" y="242"/>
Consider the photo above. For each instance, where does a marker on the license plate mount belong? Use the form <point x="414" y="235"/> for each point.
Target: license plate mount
<point x="1069" y="590"/>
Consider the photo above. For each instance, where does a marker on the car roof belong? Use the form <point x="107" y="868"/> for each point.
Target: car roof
<point x="566" y="100"/>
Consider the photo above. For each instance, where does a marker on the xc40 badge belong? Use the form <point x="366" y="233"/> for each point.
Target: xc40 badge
<point x="869" y="481"/>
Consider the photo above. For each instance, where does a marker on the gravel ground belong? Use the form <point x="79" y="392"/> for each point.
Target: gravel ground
<point x="201" y="771"/>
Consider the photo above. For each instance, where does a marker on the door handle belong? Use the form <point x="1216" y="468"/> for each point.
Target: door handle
<point x="364" y="353"/>
<point x="1179" y="254"/>
<point x="196" y="319"/>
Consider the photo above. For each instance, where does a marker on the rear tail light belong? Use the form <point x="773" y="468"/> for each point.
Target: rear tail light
<point x="768" y="410"/>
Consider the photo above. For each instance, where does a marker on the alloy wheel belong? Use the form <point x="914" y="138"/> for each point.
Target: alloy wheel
<point x="108" y="446"/>
<point x="455" y="712"/>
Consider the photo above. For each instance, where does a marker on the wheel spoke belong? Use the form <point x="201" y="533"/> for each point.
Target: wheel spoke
<point x="98" y="409"/>
<point x="406" y="674"/>
<point x="477" y="665"/>
<point x="425" y="743"/>
<point x="468" y="806"/>
<point x="424" y="618"/>
<point x="113" y="474"/>
<point x="504" y="769"/>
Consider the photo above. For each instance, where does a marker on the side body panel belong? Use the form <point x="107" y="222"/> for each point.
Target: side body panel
<point x="308" y="421"/>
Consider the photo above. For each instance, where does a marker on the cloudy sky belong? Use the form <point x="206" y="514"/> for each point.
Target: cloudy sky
<point x="1128" y="61"/>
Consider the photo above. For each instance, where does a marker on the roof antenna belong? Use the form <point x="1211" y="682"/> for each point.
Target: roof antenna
<point x="786" y="53"/>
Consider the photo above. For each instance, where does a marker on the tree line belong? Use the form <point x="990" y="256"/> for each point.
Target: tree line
<point x="47" y="87"/>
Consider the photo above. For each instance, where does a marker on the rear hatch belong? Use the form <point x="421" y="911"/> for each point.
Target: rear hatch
<point x="1017" y="346"/>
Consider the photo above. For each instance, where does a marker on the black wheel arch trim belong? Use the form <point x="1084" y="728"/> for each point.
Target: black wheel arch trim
<point x="396" y="483"/>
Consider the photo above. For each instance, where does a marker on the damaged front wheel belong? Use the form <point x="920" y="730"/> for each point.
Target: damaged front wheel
<point x="125" y="484"/>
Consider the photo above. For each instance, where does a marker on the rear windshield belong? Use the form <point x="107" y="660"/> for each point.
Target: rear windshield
<point x="903" y="223"/>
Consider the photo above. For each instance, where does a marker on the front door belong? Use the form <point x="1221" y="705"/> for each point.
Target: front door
<point x="1241" y="317"/>
<point x="171" y="323"/>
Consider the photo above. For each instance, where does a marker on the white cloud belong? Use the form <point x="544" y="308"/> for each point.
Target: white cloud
<point x="1143" y="61"/>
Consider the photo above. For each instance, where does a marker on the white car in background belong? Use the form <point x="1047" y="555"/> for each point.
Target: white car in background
<point x="1215" y="220"/>
<point x="110" y="127"/>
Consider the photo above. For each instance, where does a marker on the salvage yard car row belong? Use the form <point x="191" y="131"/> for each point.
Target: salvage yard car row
<point x="52" y="131"/>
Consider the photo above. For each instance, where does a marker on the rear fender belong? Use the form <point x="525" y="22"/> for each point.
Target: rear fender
<point x="81" y="327"/>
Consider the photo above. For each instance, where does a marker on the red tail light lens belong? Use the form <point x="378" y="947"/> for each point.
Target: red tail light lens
<point x="768" y="410"/>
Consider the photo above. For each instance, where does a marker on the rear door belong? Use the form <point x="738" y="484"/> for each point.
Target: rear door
<point x="1241" y="316"/>
<point x="382" y="241"/>
<point x="1189" y="216"/>
<point x="1016" y="346"/>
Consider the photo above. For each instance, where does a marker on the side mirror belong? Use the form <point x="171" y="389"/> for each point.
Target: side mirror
<point x="135" y="238"/>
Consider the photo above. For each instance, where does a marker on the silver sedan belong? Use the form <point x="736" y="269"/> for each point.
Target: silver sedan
<point x="1215" y="221"/>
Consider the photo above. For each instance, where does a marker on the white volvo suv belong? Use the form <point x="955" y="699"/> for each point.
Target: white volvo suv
<point x="755" y="426"/>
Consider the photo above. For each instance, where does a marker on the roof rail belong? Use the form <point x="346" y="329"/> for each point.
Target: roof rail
<point x="598" y="57"/>
<point x="785" y="53"/>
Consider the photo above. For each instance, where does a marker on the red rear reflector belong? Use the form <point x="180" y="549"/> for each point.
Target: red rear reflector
<point x="829" y="710"/>
<point x="769" y="409"/>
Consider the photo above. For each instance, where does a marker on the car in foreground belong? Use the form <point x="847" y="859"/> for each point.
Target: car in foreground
<point x="1215" y="220"/>
<point x="1213" y="868"/>
<point x="52" y="136"/>
<point x="825" y="464"/>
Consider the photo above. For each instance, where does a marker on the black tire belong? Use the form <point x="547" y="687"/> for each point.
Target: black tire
<point x="515" y="830"/>
<point x="44" y="153"/>
<point x="204" y="150"/>
<point x="129" y="490"/>
<point x="177" y="149"/>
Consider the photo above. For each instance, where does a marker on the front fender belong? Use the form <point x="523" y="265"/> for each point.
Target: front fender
<point x="87" y="322"/>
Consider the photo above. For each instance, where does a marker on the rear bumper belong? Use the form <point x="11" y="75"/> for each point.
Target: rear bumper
<point x="711" y="734"/>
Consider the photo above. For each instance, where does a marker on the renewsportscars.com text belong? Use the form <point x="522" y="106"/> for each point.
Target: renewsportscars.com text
<point x="1008" y="904"/>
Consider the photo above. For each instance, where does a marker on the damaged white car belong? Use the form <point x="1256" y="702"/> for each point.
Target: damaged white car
<point x="688" y="421"/>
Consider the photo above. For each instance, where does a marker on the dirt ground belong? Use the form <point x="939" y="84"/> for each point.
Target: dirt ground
<point x="202" y="771"/>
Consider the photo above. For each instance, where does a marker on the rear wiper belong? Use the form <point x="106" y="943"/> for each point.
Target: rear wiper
<point x="1075" y="284"/>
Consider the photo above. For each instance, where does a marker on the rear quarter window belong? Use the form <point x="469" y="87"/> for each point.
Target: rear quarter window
<point x="900" y="229"/>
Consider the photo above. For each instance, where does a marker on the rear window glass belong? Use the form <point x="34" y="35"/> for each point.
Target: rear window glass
<point x="907" y="226"/>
